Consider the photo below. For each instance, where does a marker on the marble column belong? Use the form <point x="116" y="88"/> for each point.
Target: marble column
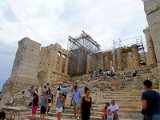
<point x="114" y="62"/>
<point x="100" y="60"/>
<point x="66" y="66"/>
<point x="54" y="56"/>
<point x="60" y="63"/>
<point x="151" y="57"/>
<point x="135" y="56"/>
<point x="119" y="59"/>
<point x="89" y="64"/>
<point x="106" y="62"/>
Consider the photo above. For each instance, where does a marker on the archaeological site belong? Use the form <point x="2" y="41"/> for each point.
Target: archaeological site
<point x="84" y="62"/>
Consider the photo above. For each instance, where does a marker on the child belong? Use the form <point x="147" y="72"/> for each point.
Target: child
<point x="105" y="112"/>
<point x="59" y="105"/>
<point x="44" y="102"/>
<point x="34" y="105"/>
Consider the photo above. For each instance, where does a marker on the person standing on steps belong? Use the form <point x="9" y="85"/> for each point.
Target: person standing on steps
<point x="76" y="97"/>
<point x="59" y="105"/>
<point x="58" y="89"/>
<point x="50" y="100"/>
<point x="44" y="103"/>
<point x="73" y="86"/>
<point x="35" y="104"/>
<point x="31" y="91"/>
<point x="150" y="102"/>
<point x="134" y="72"/>
<point x="64" y="91"/>
<point x="86" y="105"/>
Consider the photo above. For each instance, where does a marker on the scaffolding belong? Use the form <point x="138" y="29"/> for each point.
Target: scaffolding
<point x="127" y="43"/>
<point x="84" y="41"/>
<point x="80" y="47"/>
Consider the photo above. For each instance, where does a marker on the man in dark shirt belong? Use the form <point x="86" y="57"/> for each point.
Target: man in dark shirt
<point x="150" y="102"/>
<point x="2" y="115"/>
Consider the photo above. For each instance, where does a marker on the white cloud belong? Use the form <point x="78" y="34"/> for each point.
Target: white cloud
<point x="52" y="21"/>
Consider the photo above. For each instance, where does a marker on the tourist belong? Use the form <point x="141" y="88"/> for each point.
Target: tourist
<point x="100" y="71"/>
<point x="113" y="110"/>
<point x="64" y="91"/>
<point x="59" y="104"/>
<point x="150" y="102"/>
<point x="31" y="91"/>
<point x="104" y="74"/>
<point x="134" y="72"/>
<point x="35" y="104"/>
<point x="44" y="103"/>
<point x="108" y="72"/>
<point x="58" y="89"/>
<point x="105" y="111"/>
<point x="86" y="105"/>
<point x="45" y="89"/>
<point x="48" y="86"/>
<point x="73" y="86"/>
<point x="94" y="74"/>
<point x="112" y="74"/>
<point x="50" y="100"/>
<point x="2" y="115"/>
<point x="113" y="70"/>
<point x="76" y="97"/>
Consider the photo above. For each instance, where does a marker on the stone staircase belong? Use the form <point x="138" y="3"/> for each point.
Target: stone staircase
<point x="128" y="99"/>
<point x="130" y="106"/>
<point x="125" y="90"/>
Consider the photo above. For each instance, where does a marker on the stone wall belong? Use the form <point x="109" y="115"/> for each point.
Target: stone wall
<point x="24" y="71"/>
<point x="150" y="56"/>
<point x="53" y="65"/>
<point x="120" y="59"/>
<point x="152" y="10"/>
<point x="35" y="66"/>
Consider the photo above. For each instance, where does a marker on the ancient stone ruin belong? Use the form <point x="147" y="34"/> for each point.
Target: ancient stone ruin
<point x="36" y="65"/>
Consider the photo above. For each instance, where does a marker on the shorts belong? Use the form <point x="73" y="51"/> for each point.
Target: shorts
<point x="34" y="109"/>
<point x="43" y="110"/>
<point x="76" y="105"/>
<point x="49" y="104"/>
<point x="59" y="109"/>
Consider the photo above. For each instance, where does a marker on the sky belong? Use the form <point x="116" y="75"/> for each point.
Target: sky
<point x="52" y="21"/>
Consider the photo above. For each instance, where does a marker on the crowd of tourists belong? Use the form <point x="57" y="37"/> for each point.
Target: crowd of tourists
<point x="81" y="102"/>
<point x="104" y="73"/>
<point x="111" y="73"/>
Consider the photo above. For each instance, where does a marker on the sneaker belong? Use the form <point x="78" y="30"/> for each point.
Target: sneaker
<point x="77" y="117"/>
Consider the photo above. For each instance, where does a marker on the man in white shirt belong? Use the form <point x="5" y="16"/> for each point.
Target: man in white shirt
<point x="113" y="110"/>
